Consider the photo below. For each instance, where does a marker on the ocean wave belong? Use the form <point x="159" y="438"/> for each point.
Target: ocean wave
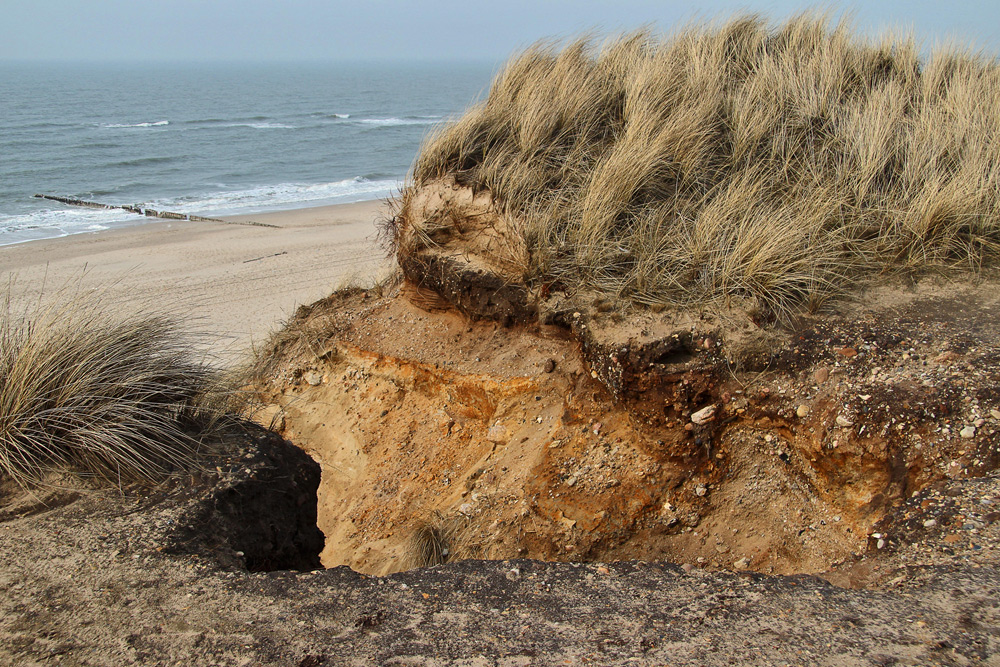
<point x="56" y="222"/>
<point x="277" y="197"/>
<point x="263" y="126"/>
<point x="206" y="121"/>
<point x="158" y="123"/>
<point x="53" y="223"/>
<point x="143" y="161"/>
<point x="410" y="120"/>
<point x="96" y="145"/>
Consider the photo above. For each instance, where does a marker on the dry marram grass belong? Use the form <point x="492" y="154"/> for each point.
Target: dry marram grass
<point x="119" y="398"/>
<point x="775" y="165"/>
<point x="442" y="538"/>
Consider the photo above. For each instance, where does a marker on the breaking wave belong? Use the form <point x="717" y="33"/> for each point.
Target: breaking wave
<point x="158" y="123"/>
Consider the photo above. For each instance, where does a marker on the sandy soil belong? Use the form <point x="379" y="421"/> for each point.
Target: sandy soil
<point x="234" y="281"/>
<point x="215" y="569"/>
<point x="506" y="442"/>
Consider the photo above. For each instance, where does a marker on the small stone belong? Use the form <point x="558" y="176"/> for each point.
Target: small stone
<point x="843" y="421"/>
<point x="497" y="433"/>
<point x="880" y="544"/>
<point x="571" y="481"/>
<point x="701" y="490"/>
<point x="313" y="378"/>
<point x="821" y="375"/>
<point x="995" y="414"/>
<point x="465" y="508"/>
<point x="742" y="563"/>
<point x="847" y="352"/>
<point x="930" y="523"/>
<point x="837" y="518"/>
<point x="979" y="423"/>
<point x="603" y="570"/>
<point x="802" y="410"/>
<point x="704" y="415"/>
<point x="576" y="316"/>
<point x="597" y="427"/>
<point x="687" y="567"/>
<point x="550" y="365"/>
<point x="968" y="432"/>
<point x="946" y="357"/>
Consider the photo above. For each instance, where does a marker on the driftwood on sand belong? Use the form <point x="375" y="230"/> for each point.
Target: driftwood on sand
<point x="149" y="212"/>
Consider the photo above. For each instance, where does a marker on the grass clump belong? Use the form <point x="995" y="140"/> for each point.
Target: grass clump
<point x="735" y="160"/>
<point x="120" y="398"/>
<point x="442" y="538"/>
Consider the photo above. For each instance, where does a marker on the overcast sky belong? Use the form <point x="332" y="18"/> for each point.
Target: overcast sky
<point x="299" y="30"/>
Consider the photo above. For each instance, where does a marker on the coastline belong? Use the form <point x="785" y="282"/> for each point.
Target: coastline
<point x="234" y="283"/>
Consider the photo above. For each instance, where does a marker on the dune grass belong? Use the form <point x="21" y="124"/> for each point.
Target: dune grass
<point x="441" y="538"/>
<point x="120" y="398"/>
<point x="779" y="165"/>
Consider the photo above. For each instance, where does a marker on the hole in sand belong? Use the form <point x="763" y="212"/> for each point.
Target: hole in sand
<point x="673" y="357"/>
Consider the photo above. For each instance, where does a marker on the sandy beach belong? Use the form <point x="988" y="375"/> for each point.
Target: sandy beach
<point x="236" y="282"/>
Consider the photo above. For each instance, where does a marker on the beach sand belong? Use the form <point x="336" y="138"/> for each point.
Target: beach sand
<point x="234" y="282"/>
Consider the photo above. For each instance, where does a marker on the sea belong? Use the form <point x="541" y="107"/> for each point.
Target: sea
<point x="212" y="140"/>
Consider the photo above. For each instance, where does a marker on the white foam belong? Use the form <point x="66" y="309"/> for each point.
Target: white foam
<point x="52" y="223"/>
<point x="426" y="120"/>
<point x="283" y="195"/>
<point x="158" y="123"/>
<point x="262" y="126"/>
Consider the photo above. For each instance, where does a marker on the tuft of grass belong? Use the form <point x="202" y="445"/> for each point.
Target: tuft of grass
<point x="428" y="546"/>
<point x="442" y="538"/>
<point x="120" y="398"/>
<point x="773" y="165"/>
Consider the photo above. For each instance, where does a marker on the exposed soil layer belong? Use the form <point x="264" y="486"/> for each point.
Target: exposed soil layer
<point x="690" y="439"/>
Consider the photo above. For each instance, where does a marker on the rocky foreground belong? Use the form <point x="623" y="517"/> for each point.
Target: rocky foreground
<point x="98" y="578"/>
<point x="223" y="568"/>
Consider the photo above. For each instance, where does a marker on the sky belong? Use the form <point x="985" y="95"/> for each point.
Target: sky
<point x="367" y="30"/>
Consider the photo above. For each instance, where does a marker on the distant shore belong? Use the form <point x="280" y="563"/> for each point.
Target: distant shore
<point x="236" y="282"/>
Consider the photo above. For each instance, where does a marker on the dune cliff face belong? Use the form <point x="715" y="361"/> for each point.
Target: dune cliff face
<point x="469" y="415"/>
